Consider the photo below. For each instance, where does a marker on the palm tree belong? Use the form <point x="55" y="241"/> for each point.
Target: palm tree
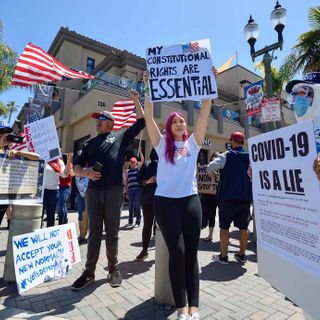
<point x="11" y="107"/>
<point x="305" y="55"/>
<point x="8" y="60"/>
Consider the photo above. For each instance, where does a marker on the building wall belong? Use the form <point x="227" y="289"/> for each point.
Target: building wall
<point x="75" y="56"/>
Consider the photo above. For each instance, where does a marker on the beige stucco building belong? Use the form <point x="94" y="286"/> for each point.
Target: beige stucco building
<point x="118" y="71"/>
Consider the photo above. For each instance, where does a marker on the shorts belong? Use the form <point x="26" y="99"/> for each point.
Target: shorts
<point x="237" y="212"/>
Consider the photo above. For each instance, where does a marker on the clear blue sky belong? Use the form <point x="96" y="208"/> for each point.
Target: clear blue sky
<point x="136" y="25"/>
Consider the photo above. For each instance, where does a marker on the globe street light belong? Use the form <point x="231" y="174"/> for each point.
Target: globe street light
<point x="278" y="19"/>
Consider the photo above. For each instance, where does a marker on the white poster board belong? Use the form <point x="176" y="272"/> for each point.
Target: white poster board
<point x="286" y="197"/>
<point x="44" y="255"/>
<point x="42" y="138"/>
<point x="21" y="180"/>
<point x="181" y="72"/>
<point x="270" y="111"/>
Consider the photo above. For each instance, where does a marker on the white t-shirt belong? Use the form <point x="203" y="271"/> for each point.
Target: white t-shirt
<point x="51" y="181"/>
<point x="178" y="180"/>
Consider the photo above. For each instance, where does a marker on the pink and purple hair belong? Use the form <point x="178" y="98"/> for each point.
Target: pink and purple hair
<point x="169" y="149"/>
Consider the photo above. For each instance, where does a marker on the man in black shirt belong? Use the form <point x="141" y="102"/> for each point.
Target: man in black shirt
<point x="105" y="191"/>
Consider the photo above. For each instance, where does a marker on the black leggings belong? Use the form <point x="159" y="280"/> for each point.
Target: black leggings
<point x="179" y="220"/>
<point x="148" y="217"/>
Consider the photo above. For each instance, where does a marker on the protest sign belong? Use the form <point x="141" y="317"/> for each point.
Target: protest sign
<point x="21" y="180"/>
<point x="44" y="255"/>
<point x="43" y="94"/>
<point x="42" y="138"/>
<point x="253" y="95"/>
<point x="270" y="111"/>
<point x="206" y="183"/>
<point x="181" y="72"/>
<point x="287" y="210"/>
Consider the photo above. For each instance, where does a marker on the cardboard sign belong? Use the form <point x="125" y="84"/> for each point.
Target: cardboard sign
<point x="44" y="255"/>
<point x="270" y="111"/>
<point x="287" y="210"/>
<point x="206" y="183"/>
<point x="253" y="95"/>
<point x="21" y="180"/>
<point x="42" y="138"/>
<point x="181" y="72"/>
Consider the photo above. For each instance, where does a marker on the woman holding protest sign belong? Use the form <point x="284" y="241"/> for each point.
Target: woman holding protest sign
<point x="177" y="207"/>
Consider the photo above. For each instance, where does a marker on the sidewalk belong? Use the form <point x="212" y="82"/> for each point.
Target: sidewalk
<point x="231" y="291"/>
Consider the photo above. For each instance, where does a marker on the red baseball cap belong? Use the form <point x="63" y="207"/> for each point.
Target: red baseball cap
<point x="237" y="136"/>
<point x="133" y="159"/>
<point x="105" y="113"/>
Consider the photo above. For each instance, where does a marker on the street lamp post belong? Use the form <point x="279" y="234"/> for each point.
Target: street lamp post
<point x="251" y="31"/>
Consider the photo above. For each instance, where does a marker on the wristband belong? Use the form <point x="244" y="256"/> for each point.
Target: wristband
<point x="146" y="91"/>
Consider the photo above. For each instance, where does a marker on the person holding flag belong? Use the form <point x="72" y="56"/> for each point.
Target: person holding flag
<point x="101" y="160"/>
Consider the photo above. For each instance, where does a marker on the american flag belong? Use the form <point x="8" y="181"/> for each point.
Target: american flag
<point x="190" y="47"/>
<point x="124" y="114"/>
<point x="36" y="66"/>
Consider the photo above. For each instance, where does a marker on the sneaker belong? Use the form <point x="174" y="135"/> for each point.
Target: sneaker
<point x="82" y="281"/>
<point x="194" y="316"/>
<point x="129" y="226"/>
<point x="220" y="259"/>
<point x="241" y="257"/>
<point x="81" y="240"/>
<point x="142" y="255"/>
<point x="137" y="225"/>
<point x="114" y="277"/>
<point x="182" y="316"/>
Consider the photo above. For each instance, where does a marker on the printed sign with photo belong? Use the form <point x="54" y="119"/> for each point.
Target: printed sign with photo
<point x="181" y="72"/>
<point x="21" y="180"/>
<point x="42" y="138"/>
<point x="253" y="95"/>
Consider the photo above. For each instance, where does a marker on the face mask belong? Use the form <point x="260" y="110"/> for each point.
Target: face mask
<point x="301" y="105"/>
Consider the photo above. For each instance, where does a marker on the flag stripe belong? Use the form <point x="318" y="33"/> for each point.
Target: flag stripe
<point x="124" y="114"/>
<point x="36" y="66"/>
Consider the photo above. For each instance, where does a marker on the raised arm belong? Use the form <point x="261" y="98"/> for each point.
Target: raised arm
<point x="153" y="130"/>
<point x="141" y="159"/>
<point x="135" y="97"/>
<point x="202" y="123"/>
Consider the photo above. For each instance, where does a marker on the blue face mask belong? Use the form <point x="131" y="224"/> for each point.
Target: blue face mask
<point x="301" y="105"/>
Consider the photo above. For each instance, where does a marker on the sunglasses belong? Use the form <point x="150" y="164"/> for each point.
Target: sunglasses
<point x="103" y="118"/>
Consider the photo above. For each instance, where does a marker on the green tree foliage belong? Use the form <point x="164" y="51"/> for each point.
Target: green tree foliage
<point x="305" y="55"/>
<point x="8" y="60"/>
<point x="277" y="78"/>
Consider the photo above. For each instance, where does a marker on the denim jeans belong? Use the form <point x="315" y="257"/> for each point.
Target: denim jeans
<point x="81" y="205"/>
<point x="64" y="194"/>
<point x="50" y="199"/>
<point x="134" y="197"/>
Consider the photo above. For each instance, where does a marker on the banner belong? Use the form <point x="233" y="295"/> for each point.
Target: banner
<point x="206" y="183"/>
<point x="286" y="193"/>
<point x="253" y="94"/>
<point x="34" y="112"/>
<point x="21" y="180"/>
<point x="42" y="138"/>
<point x="181" y="72"/>
<point x="44" y="255"/>
<point x="270" y="110"/>
<point x="43" y="95"/>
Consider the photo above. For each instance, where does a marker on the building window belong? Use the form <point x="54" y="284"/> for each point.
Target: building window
<point x="90" y="65"/>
